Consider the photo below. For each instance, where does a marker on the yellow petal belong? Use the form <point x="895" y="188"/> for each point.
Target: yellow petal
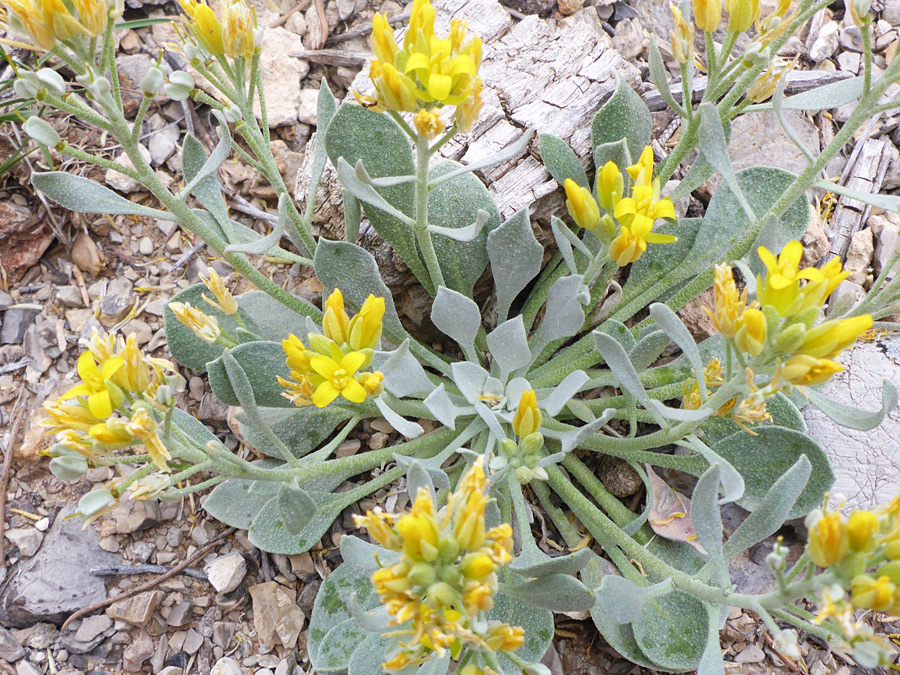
<point x="439" y="86"/>
<point x="354" y="392"/>
<point x="323" y="366"/>
<point x="353" y="361"/>
<point x="325" y="394"/>
<point x="100" y="404"/>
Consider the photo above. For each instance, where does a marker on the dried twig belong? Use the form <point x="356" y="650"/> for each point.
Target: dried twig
<point x="323" y="23"/>
<point x="128" y="570"/>
<point x="366" y="29"/>
<point x="334" y="57"/>
<point x="90" y="609"/>
<point x="790" y="664"/>
<point x="18" y="415"/>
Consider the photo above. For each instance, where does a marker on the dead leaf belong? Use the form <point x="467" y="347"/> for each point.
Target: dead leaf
<point x="670" y="515"/>
<point x="87" y="255"/>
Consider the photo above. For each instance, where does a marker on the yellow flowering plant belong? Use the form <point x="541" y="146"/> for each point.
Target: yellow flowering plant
<point x="538" y="359"/>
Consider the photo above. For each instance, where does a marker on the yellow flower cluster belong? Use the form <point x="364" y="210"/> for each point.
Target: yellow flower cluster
<point x="428" y="72"/>
<point x="46" y="21"/>
<point x="852" y="547"/>
<point x="112" y="407"/>
<point x="446" y="576"/>
<point x="330" y="367"/>
<point x="782" y="318"/>
<point x="741" y="14"/>
<point x="634" y="214"/>
<point x="232" y="36"/>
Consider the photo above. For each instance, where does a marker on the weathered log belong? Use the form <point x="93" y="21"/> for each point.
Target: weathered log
<point x="551" y="75"/>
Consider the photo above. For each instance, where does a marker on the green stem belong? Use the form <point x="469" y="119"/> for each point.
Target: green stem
<point x="139" y="117"/>
<point x="423" y="236"/>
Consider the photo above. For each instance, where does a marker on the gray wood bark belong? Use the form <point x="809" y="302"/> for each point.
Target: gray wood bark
<point x="551" y="75"/>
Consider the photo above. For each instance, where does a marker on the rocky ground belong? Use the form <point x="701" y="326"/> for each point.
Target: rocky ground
<point x="241" y="610"/>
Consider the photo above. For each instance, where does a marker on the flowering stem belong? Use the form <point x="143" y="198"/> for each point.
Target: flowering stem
<point x="190" y="471"/>
<point x="423" y="236"/>
<point x="119" y="489"/>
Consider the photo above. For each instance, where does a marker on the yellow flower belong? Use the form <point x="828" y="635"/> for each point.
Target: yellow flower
<point x="149" y="487"/>
<point x="467" y="112"/>
<point x="205" y="26"/>
<point x="682" y="37"/>
<point x="830" y="338"/>
<point x="28" y="18"/>
<point x="763" y="87"/>
<point x="298" y="355"/>
<point x="443" y="75"/>
<point x="729" y="304"/>
<point x="641" y="172"/>
<point x="202" y="324"/>
<point x="383" y="43"/>
<point x="820" y="286"/>
<point x="58" y="19"/>
<point x="610" y="186"/>
<point x="68" y="416"/>
<point x="421" y="19"/>
<point x="334" y="376"/>
<point x="134" y="375"/>
<point x="144" y="429"/>
<point x="741" y="14"/>
<point x="781" y="286"/>
<point x="867" y="592"/>
<point x="441" y="583"/>
<point x="527" y="419"/>
<point x="364" y="329"/>
<point x="336" y="322"/>
<point x="751" y="331"/>
<point x="808" y="371"/>
<point x="373" y="383"/>
<point x="393" y="89"/>
<point x="707" y="14"/>
<point x="224" y="299"/>
<point x="428" y="124"/>
<point x="631" y="242"/>
<point x="92" y="15"/>
<point x="238" y="31"/>
<point x="102" y="395"/>
<point x="828" y="540"/>
<point x="581" y="205"/>
<point x="862" y="528"/>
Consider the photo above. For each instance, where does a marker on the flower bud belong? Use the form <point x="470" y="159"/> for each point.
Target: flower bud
<point x="52" y="81"/>
<point x="527" y="418"/>
<point x="532" y="443"/>
<point x="233" y="114"/>
<point x="892" y="550"/>
<point x="509" y="446"/>
<point x="448" y="549"/>
<point x="707" y="14"/>
<point x="180" y="85"/>
<point x="806" y="371"/>
<point x="441" y="594"/>
<point x="99" y="88"/>
<point x="741" y="14"/>
<point x="190" y="52"/>
<point x="891" y="570"/>
<point x="41" y="131"/>
<point x="751" y="334"/>
<point x="94" y="502"/>
<point x="790" y="338"/>
<point x="319" y="343"/>
<point x="867" y="592"/>
<point x="164" y="395"/>
<point x="859" y="12"/>
<point x="610" y="186"/>
<point x="26" y="85"/>
<point x="152" y="81"/>
<point x="421" y="574"/>
<point x="477" y="566"/>
<point x="862" y="528"/>
<point x="68" y="467"/>
<point x="524" y="475"/>
<point x="581" y="205"/>
<point x="828" y="540"/>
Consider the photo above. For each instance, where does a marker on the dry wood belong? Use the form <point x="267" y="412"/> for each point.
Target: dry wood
<point x="551" y="75"/>
<point x="334" y="57"/>
<point x="864" y="173"/>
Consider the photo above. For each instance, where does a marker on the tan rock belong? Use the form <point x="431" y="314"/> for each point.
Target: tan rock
<point x="859" y="256"/>
<point x="136" y="610"/>
<point x="281" y="75"/>
<point x="87" y="255"/>
<point x="276" y="615"/>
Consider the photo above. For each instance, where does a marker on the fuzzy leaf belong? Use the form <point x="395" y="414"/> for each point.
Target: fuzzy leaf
<point x="763" y="458"/>
<point x="672" y="631"/>
<point x="295" y="506"/>
<point x="557" y="592"/>
<point x="364" y="556"/>
<point x="262" y="362"/>
<point x="508" y="345"/>
<point x="515" y="257"/>
<point x="854" y="418"/>
<point x="624" y="115"/>
<point x="83" y="195"/>
<point x="705" y="515"/>
<point x="208" y="191"/>
<point x="457" y="317"/>
<point x="563" y="314"/>
<point x="560" y="161"/>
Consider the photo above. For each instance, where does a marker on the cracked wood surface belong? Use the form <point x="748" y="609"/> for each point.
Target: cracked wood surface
<point x="551" y="75"/>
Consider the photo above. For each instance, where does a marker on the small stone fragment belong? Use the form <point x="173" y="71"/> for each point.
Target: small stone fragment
<point x="24" y="667"/>
<point x="226" y="572"/>
<point x="136" y="610"/>
<point x="16" y="321"/>
<point x="826" y="42"/>
<point x="750" y="654"/>
<point x="192" y="642"/>
<point x="69" y="296"/>
<point x="146" y="246"/>
<point x="859" y="255"/>
<point x="26" y="539"/>
<point x="276" y="615"/>
<point x="138" y="651"/>
<point x="226" y="666"/>
<point x="10" y="649"/>
<point x="92" y="626"/>
<point x="181" y="614"/>
<point x="309" y="101"/>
